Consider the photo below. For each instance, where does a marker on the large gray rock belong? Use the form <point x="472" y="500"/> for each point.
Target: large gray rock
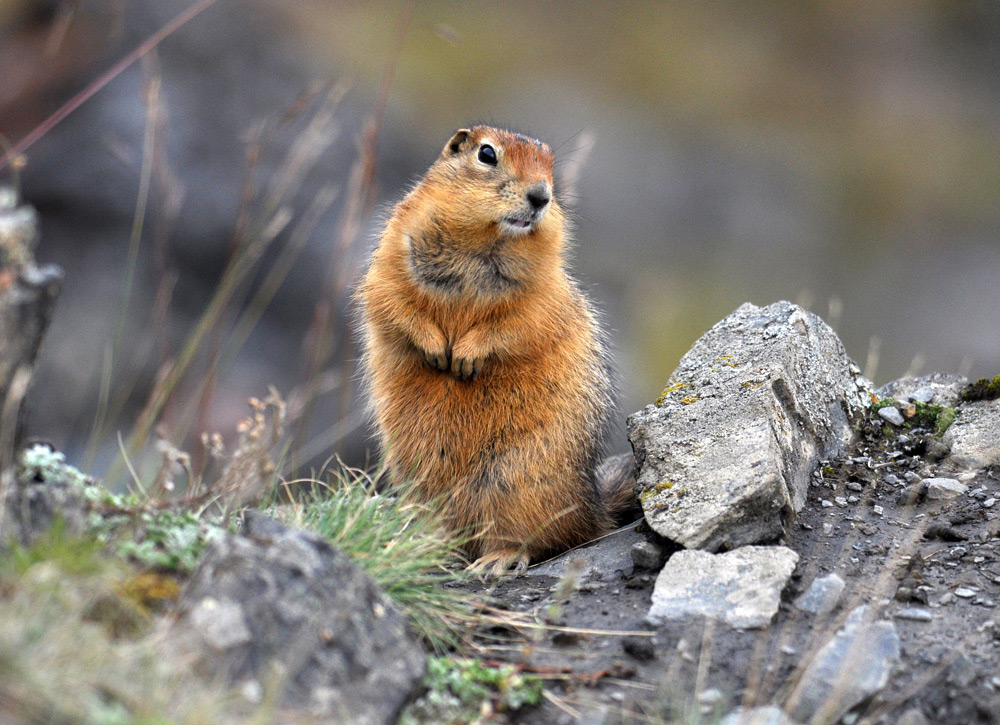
<point x="726" y="453"/>
<point x="850" y="668"/>
<point x="742" y="587"/>
<point x="281" y="608"/>
<point x="974" y="437"/>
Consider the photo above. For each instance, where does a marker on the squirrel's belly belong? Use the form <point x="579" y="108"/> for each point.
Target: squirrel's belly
<point x="438" y="428"/>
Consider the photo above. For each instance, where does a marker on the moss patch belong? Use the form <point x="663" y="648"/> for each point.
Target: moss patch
<point x="937" y="418"/>
<point x="984" y="389"/>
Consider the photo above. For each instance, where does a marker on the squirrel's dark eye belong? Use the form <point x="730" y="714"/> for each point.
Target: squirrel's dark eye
<point x="487" y="155"/>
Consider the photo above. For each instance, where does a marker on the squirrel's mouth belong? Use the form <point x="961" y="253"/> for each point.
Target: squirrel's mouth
<point x="517" y="225"/>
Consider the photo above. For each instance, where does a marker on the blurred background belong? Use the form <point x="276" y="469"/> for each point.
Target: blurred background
<point x="214" y="202"/>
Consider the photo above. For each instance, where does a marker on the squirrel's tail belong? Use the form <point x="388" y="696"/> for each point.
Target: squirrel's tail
<point x="616" y="483"/>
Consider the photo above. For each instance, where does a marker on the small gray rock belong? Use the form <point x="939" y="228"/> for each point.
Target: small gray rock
<point x="641" y="648"/>
<point x="891" y="414"/>
<point x="915" y="614"/>
<point x="822" y="595"/>
<point x="850" y="668"/>
<point x="648" y="555"/>
<point x="943" y="488"/>
<point x="220" y="623"/>
<point x="769" y="715"/>
<point x="741" y="587"/>
<point x="912" y="717"/>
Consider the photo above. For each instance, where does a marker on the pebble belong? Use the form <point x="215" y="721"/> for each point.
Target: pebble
<point x="893" y="480"/>
<point x="912" y="717"/>
<point x="709" y="696"/>
<point x="911" y="477"/>
<point x="648" y="555"/>
<point x="944" y="488"/>
<point x="841" y="501"/>
<point x="855" y="486"/>
<point x="922" y="395"/>
<point x="989" y="503"/>
<point x="826" y="504"/>
<point x="853" y="499"/>
<point x="822" y="595"/>
<point x="915" y="614"/>
<point x="964" y="593"/>
<point x="891" y="414"/>
<point x="878" y="510"/>
<point x="946" y="598"/>
<point x="639" y="647"/>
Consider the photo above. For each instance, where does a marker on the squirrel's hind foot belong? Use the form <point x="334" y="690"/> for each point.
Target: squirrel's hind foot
<point x="497" y="562"/>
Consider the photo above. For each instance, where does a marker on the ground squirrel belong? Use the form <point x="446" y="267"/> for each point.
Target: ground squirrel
<point x="487" y="369"/>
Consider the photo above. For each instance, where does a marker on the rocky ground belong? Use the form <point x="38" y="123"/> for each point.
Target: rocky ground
<point x="931" y="568"/>
<point x="895" y="548"/>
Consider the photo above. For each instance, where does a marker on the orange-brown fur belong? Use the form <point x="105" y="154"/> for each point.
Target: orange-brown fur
<point x="486" y="367"/>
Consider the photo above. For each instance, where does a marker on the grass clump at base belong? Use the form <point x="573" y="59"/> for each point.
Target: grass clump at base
<point x="402" y="544"/>
<point x="467" y="690"/>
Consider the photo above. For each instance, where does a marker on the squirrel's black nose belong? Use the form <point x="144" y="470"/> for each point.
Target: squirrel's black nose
<point x="538" y="195"/>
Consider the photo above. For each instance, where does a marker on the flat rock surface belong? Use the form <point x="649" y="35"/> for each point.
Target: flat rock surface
<point x="741" y="588"/>
<point x="280" y="597"/>
<point x="725" y="455"/>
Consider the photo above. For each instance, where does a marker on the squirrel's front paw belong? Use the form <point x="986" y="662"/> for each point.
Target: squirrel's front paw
<point x="466" y="368"/>
<point x="437" y="360"/>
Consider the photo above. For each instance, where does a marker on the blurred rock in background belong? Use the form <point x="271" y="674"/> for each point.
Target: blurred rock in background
<point x="845" y="156"/>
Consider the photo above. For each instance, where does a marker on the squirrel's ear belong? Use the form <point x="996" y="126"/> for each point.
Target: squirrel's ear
<point x="458" y="143"/>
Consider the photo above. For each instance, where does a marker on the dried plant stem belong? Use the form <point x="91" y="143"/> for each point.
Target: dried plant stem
<point x="80" y="98"/>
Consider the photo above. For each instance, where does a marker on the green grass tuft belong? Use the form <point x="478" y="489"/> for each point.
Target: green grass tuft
<point x="400" y="543"/>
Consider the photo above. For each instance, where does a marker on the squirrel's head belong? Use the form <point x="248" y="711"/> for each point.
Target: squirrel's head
<point x="499" y="183"/>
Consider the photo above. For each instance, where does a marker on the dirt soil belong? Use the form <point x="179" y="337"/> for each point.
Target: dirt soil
<point x="580" y="621"/>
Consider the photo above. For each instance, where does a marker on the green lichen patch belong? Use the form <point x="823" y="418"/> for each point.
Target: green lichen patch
<point x="166" y="538"/>
<point x="983" y="389"/>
